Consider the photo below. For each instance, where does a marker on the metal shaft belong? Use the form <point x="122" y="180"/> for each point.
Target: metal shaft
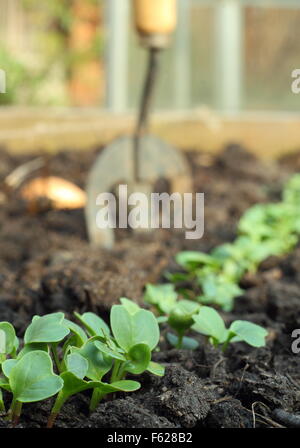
<point x="144" y="111"/>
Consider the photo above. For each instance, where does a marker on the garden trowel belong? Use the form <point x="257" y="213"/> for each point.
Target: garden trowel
<point x="140" y="160"/>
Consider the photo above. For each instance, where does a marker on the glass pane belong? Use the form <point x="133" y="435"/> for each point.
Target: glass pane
<point x="272" y="48"/>
<point x="198" y="86"/>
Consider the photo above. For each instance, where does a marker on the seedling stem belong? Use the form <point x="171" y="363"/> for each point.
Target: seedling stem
<point x="180" y="339"/>
<point x="59" y="402"/>
<point x="96" y="398"/>
<point x="56" y="357"/>
<point x="226" y="343"/>
<point x="15" y="411"/>
<point x="2" y="407"/>
<point x="115" y="376"/>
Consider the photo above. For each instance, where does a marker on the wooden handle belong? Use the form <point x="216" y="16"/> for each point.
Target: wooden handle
<point x="155" y="16"/>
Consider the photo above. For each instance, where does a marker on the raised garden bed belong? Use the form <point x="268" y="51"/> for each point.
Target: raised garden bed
<point x="47" y="265"/>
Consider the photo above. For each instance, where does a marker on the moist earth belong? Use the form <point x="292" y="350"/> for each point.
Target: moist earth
<point x="47" y="265"/>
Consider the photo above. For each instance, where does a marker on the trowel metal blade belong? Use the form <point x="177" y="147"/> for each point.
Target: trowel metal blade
<point x="115" y="165"/>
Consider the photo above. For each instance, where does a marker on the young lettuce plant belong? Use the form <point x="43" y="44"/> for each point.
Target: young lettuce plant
<point x="209" y="323"/>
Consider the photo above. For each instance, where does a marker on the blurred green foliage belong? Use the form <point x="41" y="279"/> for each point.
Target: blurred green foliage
<point x="55" y="20"/>
<point x="22" y="81"/>
<point x="52" y="22"/>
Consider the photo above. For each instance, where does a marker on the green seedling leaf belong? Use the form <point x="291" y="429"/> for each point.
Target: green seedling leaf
<point x="7" y="338"/>
<point x="209" y="323"/>
<point x="156" y="369"/>
<point x="177" y="277"/>
<point x="145" y="329"/>
<point x="117" y="386"/>
<point x="49" y="329"/>
<point x="110" y="342"/>
<point x="113" y="353"/>
<point x="122" y="386"/>
<point x="191" y="260"/>
<point x="8" y="365"/>
<point x="162" y="319"/>
<point x="32" y="379"/>
<point x="4" y="384"/>
<point x="77" y="364"/>
<point x="77" y="331"/>
<point x="248" y="332"/>
<point x="98" y="363"/>
<point x="218" y="289"/>
<point x="72" y="385"/>
<point x="163" y="297"/>
<point x="131" y="307"/>
<point x="94" y="324"/>
<point x="181" y="317"/>
<point x="186" y="343"/>
<point x="130" y="330"/>
<point x="122" y="326"/>
<point x="33" y="347"/>
<point x="140" y="357"/>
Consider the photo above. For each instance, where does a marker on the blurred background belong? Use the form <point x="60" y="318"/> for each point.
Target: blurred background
<point x="229" y="58"/>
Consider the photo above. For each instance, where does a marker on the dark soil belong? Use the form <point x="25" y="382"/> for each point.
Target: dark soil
<point x="46" y="265"/>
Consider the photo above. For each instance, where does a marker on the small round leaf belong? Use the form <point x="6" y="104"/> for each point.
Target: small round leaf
<point x="49" y="328"/>
<point x="32" y="379"/>
<point x="7" y="338"/>
<point x="253" y="334"/>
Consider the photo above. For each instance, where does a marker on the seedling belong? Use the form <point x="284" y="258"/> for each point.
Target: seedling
<point x="209" y="323"/>
<point x="181" y="320"/>
<point x="135" y="335"/>
<point x="264" y="230"/>
<point x="177" y="313"/>
<point x="81" y="358"/>
<point x="162" y="297"/>
<point x="77" y="368"/>
<point x="29" y="379"/>
<point x="213" y="277"/>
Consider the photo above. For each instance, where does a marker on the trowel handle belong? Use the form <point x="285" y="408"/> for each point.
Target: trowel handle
<point x="155" y="21"/>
